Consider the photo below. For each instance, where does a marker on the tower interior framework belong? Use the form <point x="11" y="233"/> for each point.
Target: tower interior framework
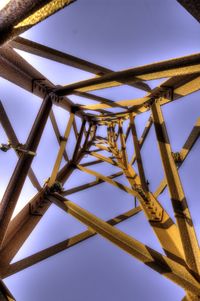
<point x="176" y="235"/>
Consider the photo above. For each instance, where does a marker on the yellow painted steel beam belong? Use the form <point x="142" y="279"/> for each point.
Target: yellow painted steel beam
<point x="57" y="132"/>
<point x="179" y="202"/>
<point x="124" y="103"/>
<point x="138" y="154"/>
<point x="102" y="147"/>
<point x="143" y="137"/>
<point x="61" y="151"/>
<point x="181" y="87"/>
<point x="109" y="180"/>
<point x="163" y="226"/>
<point x="160" y="221"/>
<point x="67" y="59"/>
<point x="175" y="67"/>
<point x="123" y="144"/>
<point x="105" y="159"/>
<point x="160" y="263"/>
<point x="192" y="138"/>
<point x="102" y="100"/>
<point x="89" y="185"/>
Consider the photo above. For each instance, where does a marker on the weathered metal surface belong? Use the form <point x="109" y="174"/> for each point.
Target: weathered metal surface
<point x="20" y="15"/>
<point x="178" y="240"/>
<point x="18" y="178"/>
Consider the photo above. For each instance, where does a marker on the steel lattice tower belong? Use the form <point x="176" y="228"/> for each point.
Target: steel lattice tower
<point x="181" y="262"/>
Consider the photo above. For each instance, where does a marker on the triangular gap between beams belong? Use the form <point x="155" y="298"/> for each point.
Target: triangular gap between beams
<point x="46" y="232"/>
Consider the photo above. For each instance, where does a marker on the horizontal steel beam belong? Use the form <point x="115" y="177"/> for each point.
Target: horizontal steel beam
<point x="64" y="58"/>
<point x="89" y="185"/>
<point x="174" y="67"/>
<point x="18" y="71"/>
<point x="177" y="87"/>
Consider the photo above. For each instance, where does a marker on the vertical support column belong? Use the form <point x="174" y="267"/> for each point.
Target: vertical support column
<point x="181" y="210"/>
<point x="5" y="294"/>
<point x="87" y="137"/>
<point x="108" y="133"/>
<point x="138" y="154"/>
<point x="113" y="144"/>
<point x="61" y="151"/>
<point x="123" y="145"/>
<point x="93" y="130"/>
<point x="114" y="137"/>
<point x="78" y="143"/>
<point x="18" y="178"/>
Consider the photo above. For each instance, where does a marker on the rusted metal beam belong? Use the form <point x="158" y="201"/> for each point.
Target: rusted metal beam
<point x="64" y="58"/>
<point x="18" y="178"/>
<point x="19" y="15"/>
<point x="17" y="70"/>
<point x="4" y="120"/>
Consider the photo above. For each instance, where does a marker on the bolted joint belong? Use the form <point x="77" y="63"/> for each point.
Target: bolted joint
<point x="94" y="122"/>
<point x="75" y="109"/>
<point x="73" y="165"/>
<point x="21" y="149"/>
<point x="38" y="85"/>
<point x="54" y="97"/>
<point x="149" y="103"/>
<point x="177" y="157"/>
<point x="167" y="92"/>
<point x="62" y="139"/>
<point x="5" y="147"/>
<point x="56" y="187"/>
